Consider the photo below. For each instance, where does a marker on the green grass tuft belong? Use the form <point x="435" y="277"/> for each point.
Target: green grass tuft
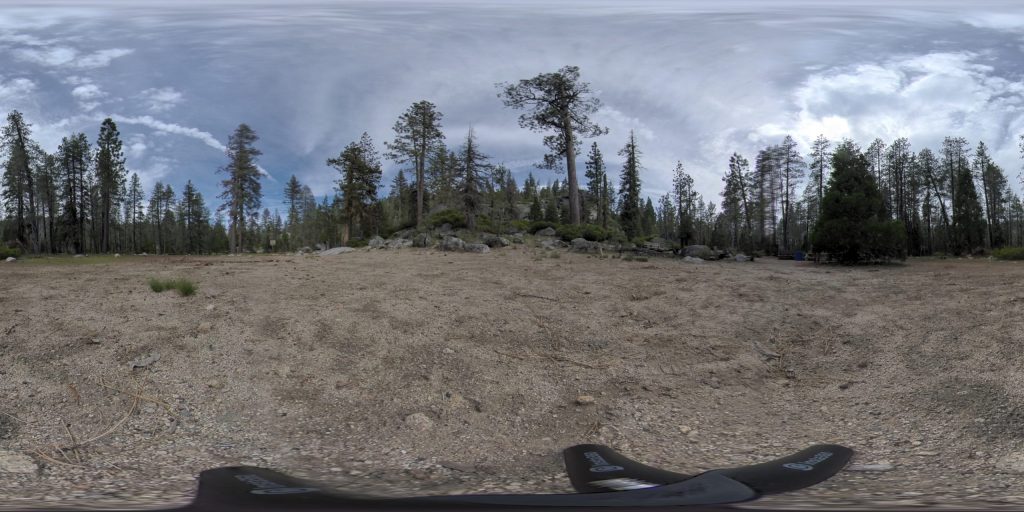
<point x="185" y="287"/>
<point x="1009" y="253"/>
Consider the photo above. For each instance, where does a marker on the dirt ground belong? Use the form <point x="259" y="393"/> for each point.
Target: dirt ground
<point x="416" y="371"/>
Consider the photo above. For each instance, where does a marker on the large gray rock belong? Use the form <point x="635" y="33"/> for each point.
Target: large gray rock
<point x="742" y="257"/>
<point x="691" y="259"/>
<point x="451" y="243"/>
<point x="376" y="243"/>
<point x="517" y="238"/>
<point x="553" y="243"/>
<point x="585" y="246"/>
<point x="495" y="241"/>
<point x="657" y="244"/>
<point x="336" y="251"/>
<point x="445" y="229"/>
<point x="422" y="240"/>
<point x="398" y="243"/>
<point x="546" y="232"/>
<point x="700" y="251"/>
<point x="407" y="234"/>
<point x="11" y="259"/>
<point x="479" y="248"/>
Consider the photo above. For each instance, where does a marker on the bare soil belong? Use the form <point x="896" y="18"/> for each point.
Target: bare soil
<point x="325" y="367"/>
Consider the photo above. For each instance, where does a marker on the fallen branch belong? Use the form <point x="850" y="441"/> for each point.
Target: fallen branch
<point x="55" y="461"/>
<point x="517" y="294"/>
<point x="107" y="432"/>
<point x="157" y="401"/>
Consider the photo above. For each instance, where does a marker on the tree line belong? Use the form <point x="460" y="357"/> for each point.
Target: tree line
<point x="82" y="199"/>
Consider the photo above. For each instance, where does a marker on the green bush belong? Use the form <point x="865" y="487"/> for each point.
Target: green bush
<point x="538" y="225"/>
<point x="520" y="225"/>
<point x="568" y="232"/>
<point x="595" y="233"/>
<point x="1009" y="253"/>
<point x="9" y="252"/>
<point x="358" y="242"/>
<point x="454" y="217"/>
<point x="185" y="287"/>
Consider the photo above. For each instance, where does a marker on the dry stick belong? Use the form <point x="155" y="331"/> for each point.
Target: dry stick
<point x="74" y="442"/>
<point x="9" y="415"/>
<point x="534" y="296"/>
<point x="131" y="411"/>
<point x="53" y="460"/>
<point x="157" y="401"/>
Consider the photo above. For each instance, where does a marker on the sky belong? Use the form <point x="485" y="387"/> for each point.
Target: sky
<point x="695" y="81"/>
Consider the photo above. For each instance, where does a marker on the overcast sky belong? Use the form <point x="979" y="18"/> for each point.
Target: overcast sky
<point x="695" y="80"/>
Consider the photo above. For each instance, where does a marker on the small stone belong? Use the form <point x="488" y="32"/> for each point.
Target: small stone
<point x="447" y="350"/>
<point x="685" y="429"/>
<point x="144" y="361"/>
<point x="418" y="421"/>
<point x="844" y="385"/>
<point x="209" y="307"/>
<point x="215" y="384"/>
<point x="585" y="400"/>
<point x="282" y="412"/>
<point x="915" y="443"/>
<point x="205" y="327"/>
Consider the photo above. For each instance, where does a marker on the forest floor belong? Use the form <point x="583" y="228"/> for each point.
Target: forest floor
<point x="416" y="371"/>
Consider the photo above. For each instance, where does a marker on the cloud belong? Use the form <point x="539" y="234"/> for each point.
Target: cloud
<point x="66" y="56"/>
<point x="177" y="129"/>
<point x="16" y="88"/>
<point x="87" y="92"/>
<point x="923" y="97"/>
<point x="161" y="99"/>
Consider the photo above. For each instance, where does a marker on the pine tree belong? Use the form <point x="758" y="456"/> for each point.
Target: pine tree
<point x="536" y="211"/>
<point x="852" y="226"/>
<point x="561" y="103"/>
<point x="629" y="191"/>
<point x="683" y="195"/>
<point x="135" y="212"/>
<point x="597" y="181"/>
<point x="649" y="220"/>
<point x="417" y="134"/>
<point x="473" y="167"/>
<point x="293" y="198"/>
<point x="735" y="200"/>
<point x="18" y="181"/>
<point x="791" y="167"/>
<point x="194" y="218"/>
<point x="968" y="225"/>
<point x="74" y="157"/>
<point x="242" y="190"/>
<point x="110" y="177"/>
<point x="361" y="173"/>
<point x="820" y="164"/>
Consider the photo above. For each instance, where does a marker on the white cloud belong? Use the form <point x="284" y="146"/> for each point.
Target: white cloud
<point x="177" y="129"/>
<point x="66" y="56"/>
<point x="161" y="99"/>
<point x="136" y="146"/>
<point x="87" y="92"/>
<point x="16" y="88"/>
<point x="923" y="97"/>
<point x="102" y="58"/>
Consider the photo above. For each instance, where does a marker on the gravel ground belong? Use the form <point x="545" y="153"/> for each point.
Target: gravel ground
<point x="415" y="371"/>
